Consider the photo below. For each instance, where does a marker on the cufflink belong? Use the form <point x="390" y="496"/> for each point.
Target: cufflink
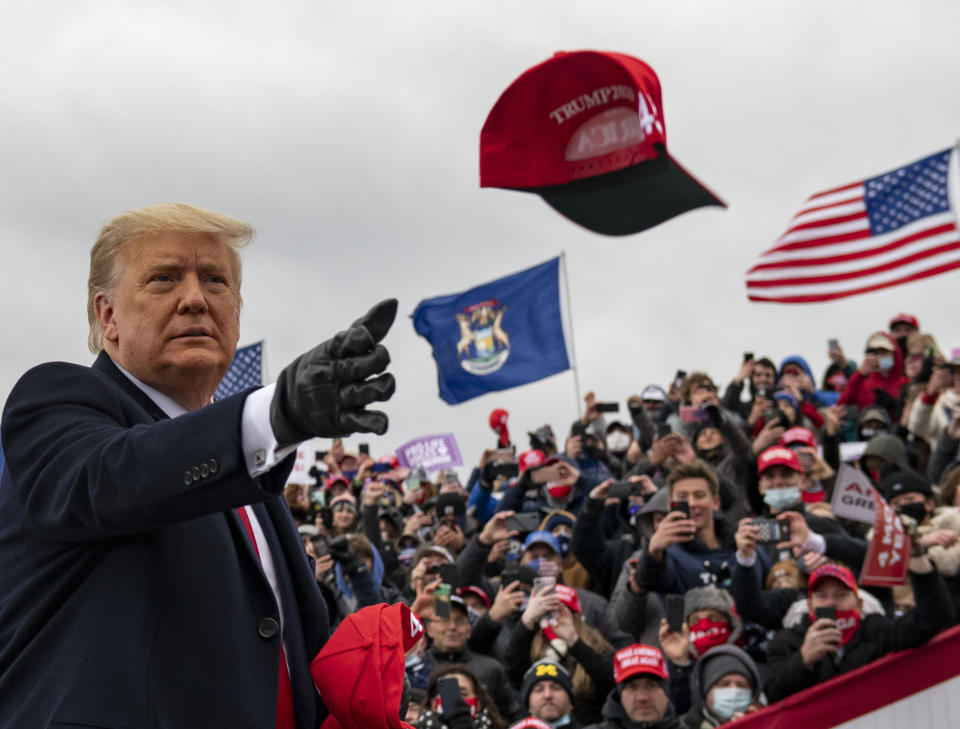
<point x="259" y="457"/>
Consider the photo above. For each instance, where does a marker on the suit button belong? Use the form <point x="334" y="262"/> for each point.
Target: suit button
<point x="214" y="466"/>
<point x="195" y="471"/>
<point x="204" y="470"/>
<point x="187" y="478"/>
<point x="268" y="628"/>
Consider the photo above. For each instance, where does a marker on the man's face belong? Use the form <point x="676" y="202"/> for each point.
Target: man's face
<point x="709" y="438"/>
<point x="173" y="318"/>
<point x="541" y="552"/>
<point x="451" y="634"/>
<point x="901" y="329"/>
<point x="830" y="592"/>
<point x="914" y="497"/>
<point x="549" y="701"/>
<point x="778" y="477"/>
<point x="643" y="699"/>
<point x="731" y="680"/>
<point x="652" y="406"/>
<point x="763" y="377"/>
<point x="704" y="394"/>
<point x="696" y="491"/>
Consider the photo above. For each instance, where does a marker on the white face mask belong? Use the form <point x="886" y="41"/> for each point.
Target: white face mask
<point x="728" y="701"/>
<point x="618" y="441"/>
<point x="885" y="362"/>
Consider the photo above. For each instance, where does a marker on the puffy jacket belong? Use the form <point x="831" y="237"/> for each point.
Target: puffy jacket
<point x="614" y="717"/>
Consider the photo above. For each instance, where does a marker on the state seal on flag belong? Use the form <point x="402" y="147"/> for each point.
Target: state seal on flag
<point x="484" y="345"/>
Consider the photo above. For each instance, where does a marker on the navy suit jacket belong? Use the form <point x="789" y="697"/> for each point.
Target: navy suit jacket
<point x="130" y="595"/>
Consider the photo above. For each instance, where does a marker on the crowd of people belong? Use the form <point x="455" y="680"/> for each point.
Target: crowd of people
<point x="678" y="567"/>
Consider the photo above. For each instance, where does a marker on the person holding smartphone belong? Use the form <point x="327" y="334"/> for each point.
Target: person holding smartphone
<point x="836" y="637"/>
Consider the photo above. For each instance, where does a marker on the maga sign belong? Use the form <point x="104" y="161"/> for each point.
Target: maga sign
<point x="853" y="495"/>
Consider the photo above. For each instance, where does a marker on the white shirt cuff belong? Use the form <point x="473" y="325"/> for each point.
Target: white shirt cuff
<point x="815" y="543"/>
<point x="747" y="561"/>
<point x="260" y="447"/>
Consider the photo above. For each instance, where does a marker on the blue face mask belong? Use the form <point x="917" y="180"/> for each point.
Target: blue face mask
<point x="728" y="701"/>
<point x="782" y="499"/>
<point x="534" y="564"/>
<point x="885" y="362"/>
<point x="564" y="541"/>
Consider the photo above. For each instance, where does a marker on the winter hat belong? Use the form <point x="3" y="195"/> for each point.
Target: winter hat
<point x="557" y="517"/>
<point x="880" y="340"/>
<point x="888" y="447"/>
<point x="545" y="670"/>
<point x="653" y="393"/>
<point x="874" y="412"/>
<point x="719" y="662"/>
<point x="713" y="598"/>
<point x="905" y="319"/>
<point x="904" y="481"/>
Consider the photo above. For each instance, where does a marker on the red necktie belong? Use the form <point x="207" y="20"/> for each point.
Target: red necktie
<point x="285" y="718"/>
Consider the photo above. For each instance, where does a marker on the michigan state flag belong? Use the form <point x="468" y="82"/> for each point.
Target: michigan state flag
<point x="499" y="335"/>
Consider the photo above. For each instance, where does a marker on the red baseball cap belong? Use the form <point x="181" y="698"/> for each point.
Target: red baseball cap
<point x="637" y="659"/>
<point x="585" y="130"/>
<point x="798" y="435"/>
<point x="838" y="572"/>
<point x="569" y="597"/>
<point x="530" y="458"/>
<point x="778" y="456"/>
<point x="902" y="318"/>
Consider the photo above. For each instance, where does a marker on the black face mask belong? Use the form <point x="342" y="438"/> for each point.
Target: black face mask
<point x="917" y="512"/>
<point x="714" y="455"/>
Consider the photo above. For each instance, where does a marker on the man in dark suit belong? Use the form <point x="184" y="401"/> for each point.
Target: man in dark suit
<point x="150" y="573"/>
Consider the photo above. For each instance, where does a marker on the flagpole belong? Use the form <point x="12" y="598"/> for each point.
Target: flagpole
<point x="573" y="349"/>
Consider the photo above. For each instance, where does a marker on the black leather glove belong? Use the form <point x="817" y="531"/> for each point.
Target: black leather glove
<point x="324" y="392"/>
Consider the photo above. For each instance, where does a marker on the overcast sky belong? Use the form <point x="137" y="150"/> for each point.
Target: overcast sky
<point x="347" y="134"/>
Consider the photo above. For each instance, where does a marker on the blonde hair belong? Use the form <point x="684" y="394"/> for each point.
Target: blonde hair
<point x="127" y="227"/>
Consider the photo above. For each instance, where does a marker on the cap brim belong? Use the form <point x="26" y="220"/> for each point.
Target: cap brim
<point x="629" y="200"/>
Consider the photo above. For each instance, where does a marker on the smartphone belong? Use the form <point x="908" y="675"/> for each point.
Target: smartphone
<point x="674" y="615"/>
<point x="579" y="429"/>
<point x="765" y="392"/>
<point x="380" y="468"/>
<point x="607" y="407"/>
<point x="683" y="506"/>
<point x="504" y="469"/>
<point x="771" y="530"/>
<point x="541" y="584"/>
<point x="827" y="611"/>
<point x="320" y="455"/>
<point x="523" y="522"/>
<point x="441" y="601"/>
<point x="622" y="489"/>
<point x="775" y="416"/>
<point x="503" y="454"/>
<point x="545" y="473"/>
<point x="833" y="344"/>
<point x="518" y="573"/>
<point x="679" y="378"/>
<point x="449" y="575"/>
<point x="747" y="356"/>
<point x="326" y="517"/>
<point x="691" y="414"/>
<point x="448" y="689"/>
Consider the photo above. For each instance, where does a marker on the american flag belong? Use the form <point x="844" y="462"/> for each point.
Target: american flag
<point x="884" y="231"/>
<point x="245" y="371"/>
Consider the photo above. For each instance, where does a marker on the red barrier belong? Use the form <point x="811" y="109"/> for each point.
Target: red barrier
<point x="881" y="683"/>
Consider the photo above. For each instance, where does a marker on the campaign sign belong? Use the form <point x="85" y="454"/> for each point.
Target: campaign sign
<point x="853" y="495"/>
<point x="431" y="452"/>
<point x="889" y="548"/>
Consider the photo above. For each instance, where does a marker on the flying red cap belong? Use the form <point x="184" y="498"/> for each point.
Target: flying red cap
<point x="798" y="435"/>
<point x="637" y="659"/>
<point x="778" y="456"/>
<point x="838" y="572"/>
<point x="586" y="131"/>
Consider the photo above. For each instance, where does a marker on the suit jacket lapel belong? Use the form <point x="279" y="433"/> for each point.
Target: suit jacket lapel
<point x="104" y="365"/>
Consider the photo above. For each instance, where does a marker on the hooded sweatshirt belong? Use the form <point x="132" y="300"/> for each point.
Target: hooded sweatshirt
<point x="360" y="670"/>
<point x="860" y="387"/>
